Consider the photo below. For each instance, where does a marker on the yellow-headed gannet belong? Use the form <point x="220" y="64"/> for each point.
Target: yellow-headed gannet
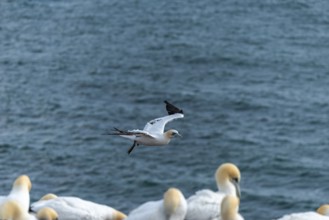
<point x="205" y="204"/>
<point x="69" y="208"/>
<point x="173" y="206"/>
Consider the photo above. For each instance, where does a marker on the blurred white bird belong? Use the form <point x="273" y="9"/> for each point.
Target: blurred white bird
<point x="12" y="210"/>
<point x="15" y="206"/>
<point x="323" y="210"/>
<point x="20" y="192"/>
<point x="172" y="207"/>
<point x="230" y="208"/>
<point x="304" y="216"/>
<point x="322" y="213"/>
<point x="69" y="208"/>
<point x="153" y="133"/>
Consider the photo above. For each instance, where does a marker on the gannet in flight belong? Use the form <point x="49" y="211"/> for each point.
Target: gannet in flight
<point x="153" y="133"/>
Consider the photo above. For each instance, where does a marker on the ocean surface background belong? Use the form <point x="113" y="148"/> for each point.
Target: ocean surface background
<point x="251" y="76"/>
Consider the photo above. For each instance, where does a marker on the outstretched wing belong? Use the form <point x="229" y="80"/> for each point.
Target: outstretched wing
<point x="171" y="109"/>
<point x="157" y="125"/>
<point x="131" y="133"/>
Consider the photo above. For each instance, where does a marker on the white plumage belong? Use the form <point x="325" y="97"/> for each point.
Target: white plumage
<point x="304" y="216"/>
<point x="205" y="204"/>
<point x="15" y="206"/>
<point x="69" y="208"/>
<point x="153" y="133"/>
<point x="172" y="207"/>
<point x="20" y="191"/>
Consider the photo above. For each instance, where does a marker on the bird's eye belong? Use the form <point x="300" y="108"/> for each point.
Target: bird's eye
<point x="235" y="180"/>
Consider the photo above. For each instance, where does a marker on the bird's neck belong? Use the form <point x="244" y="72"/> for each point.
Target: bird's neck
<point x="22" y="195"/>
<point x="166" y="136"/>
<point x="227" y="188"/>
<point x="229" y="215"/>
<point x="229" y="212"/>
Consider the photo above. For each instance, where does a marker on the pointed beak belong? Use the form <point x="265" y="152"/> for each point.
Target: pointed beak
<point x="179" y="135"/>
<point x="237" y="189"/>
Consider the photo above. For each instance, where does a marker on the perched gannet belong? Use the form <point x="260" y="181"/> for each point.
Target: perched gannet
<point x="205" y="204"/>
<point x="69" y="208"/>
<point x="320" y="214"/>
<point x="20" y="192"/>
<point x="13" y="210"/>
<point x="172" y="207"/>
<point x="230" y="208"/>
<point x="304" y="216"/>
<point x="323" y="210"/>
<point x="153" y="133"/>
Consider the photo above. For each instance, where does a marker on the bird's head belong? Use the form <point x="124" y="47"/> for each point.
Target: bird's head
<point x="47" y="214"/>
<point x="172" y="133"/>
<point x="323" y="210"/>
<point x="23" y="181"/>
<point x="228" y="179"/>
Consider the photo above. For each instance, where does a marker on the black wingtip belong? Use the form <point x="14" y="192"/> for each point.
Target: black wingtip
<point x="171" y="109"/>
<point x="115" y="131"/>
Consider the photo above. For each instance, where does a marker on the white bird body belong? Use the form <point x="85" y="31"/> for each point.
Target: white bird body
<point x="205" y="204"/>
<point x="148" y="211"/>
<point x="304" y="216"/>
<point x="153" y="133"/>
<point x="19" y="193"/>
<point x="69" y="208"/>
<point x="322" y="213"/>
<point x="172" y="207"/>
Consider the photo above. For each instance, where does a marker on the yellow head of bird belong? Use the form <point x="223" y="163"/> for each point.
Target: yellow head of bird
<point x="23" y="180"/>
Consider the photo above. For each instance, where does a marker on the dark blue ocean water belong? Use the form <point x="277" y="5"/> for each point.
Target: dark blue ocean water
<point x="251" y="76"/>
